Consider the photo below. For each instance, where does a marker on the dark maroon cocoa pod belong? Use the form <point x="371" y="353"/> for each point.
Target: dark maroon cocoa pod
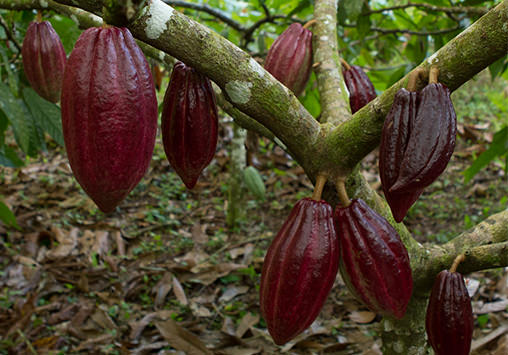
<point x="431" y="140"/>
<point x="189" y="123"/>
<point x="44" y="60"/>
<point x="374" y="263"/>
<point x="361" y="90"/>
<point x="394" y="139"/>
<point x="299" y="270"/>
<point x="290" y="58"/>
<point x="109" y="114"/>
<point x="449" y="322"/>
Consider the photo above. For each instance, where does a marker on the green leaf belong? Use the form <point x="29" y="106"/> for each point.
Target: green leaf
<point x="7" y="216"/>
<point x="67" y="30"/>
<point x="498" y="67"/>
<point x="46" y="114"/>
<point x="497" y="148"/>
<point x="363" y="25"/>
<point x="13" y="110"/>
<point x="9" y="158"/>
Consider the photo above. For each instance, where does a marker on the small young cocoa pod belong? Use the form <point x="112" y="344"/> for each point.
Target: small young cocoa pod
<point x="374" y="263"/>
<point x="109" y="114"/>
<point x="449" y="322"/>
<point x="431" y="140"/>
<point x="189" y="123"/>
<point x="361" y="90"/>
<point x="44" y="60"/>
<point x="394" y="138"/>
<point x="289" y="59"/>
<point x="299" y="270"/>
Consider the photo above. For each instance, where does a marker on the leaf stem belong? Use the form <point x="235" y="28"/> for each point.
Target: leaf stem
<point x="38" y="17"/>
<point x="341" y="191"/>
<point x="433" y="75"/>
<point x="413" y="79"/>
<point x="457" y="261"/>
<point x="318" y="188"/>
<point x="309" y="23"/>
<point x="345" y="64"/>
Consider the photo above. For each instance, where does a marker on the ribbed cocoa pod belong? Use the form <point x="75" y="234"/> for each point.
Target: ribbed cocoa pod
<point x="374" y="263"/>
<point x="189" y="123"/>
<point x="299" y="270"/>
<point x="44" y="60"/>
<point x="394" y="139"/>
<point x="449" y="322"/>
<point x="431" y="140"/>
<point x="290" y="58"/>
<point x="109" y="114"/>
<point x="361" y="90"/>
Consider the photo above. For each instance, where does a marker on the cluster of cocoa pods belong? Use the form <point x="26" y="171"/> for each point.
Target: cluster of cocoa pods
<point x="109" y="109"/>
<point x="417" y="141"/>
<point x="289" y="60"/>
<point x="313" y="244"/>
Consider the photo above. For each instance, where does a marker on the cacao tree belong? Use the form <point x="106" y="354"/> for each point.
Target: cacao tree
<point x="326" y="139"/>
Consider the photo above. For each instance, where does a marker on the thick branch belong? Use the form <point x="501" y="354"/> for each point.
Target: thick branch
<point x="334" y="98"/>
<point x="485" y="247"/>
<point x="459" y="60"/>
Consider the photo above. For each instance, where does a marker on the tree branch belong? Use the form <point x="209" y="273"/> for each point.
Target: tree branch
<point x="485" y="247"/>
<point x="9" y="34"/>
<point x="449" y="10"/>
<point x="459" y="60"/>
<point x="209" y="10"/>
<point x="387" y="31"/>
<point x="332" y="89"/>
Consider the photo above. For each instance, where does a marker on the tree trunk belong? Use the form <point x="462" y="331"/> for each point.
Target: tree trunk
<point x="406" y="336"/>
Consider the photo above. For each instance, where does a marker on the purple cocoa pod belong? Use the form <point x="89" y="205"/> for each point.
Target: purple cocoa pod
<point x="299" y="270"/>
<point x="109" y="114"/>
<point x="44" y="60"/>
<point x="189" y="123"/>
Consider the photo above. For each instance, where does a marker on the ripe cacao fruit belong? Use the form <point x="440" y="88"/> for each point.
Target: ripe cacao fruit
<point x="449" y="322"/>
<point x="189" y="123"/>
<point x="361" y="90"/>
<point x="394" y="138"/>
<point x="290" y="58"/>
<point x="374" y="263"/>
<point x="109" y="114"/>
<point x="44" y="60"/>
<point x="299" y="270"/>
<point x="431" y="140"/>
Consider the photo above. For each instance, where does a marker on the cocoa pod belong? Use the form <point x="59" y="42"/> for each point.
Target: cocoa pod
<point x="44" y="60"/>
<point x="289" y="59"/>
<point x="394" y="139"/>
<point x="431" y="140"/>
<point x="361" y="90"/>
<point x="449" y="321"/>
<point x="189" y="123"/>
<point x="299" y="270"/>
<point x="374" y="263"/>
<point x="109" y="114"/>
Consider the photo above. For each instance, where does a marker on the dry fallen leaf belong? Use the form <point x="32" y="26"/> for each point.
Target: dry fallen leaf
<point x="180" y="338"/>
<point x="179" y="292"/>
<point x="362" y="317"/>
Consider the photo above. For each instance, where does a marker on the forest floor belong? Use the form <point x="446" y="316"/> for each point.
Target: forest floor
<point x="165" y="274"/>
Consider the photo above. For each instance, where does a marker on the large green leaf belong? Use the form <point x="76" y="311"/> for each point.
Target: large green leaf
<point x="498" y="148"/>
<point x="46" y="114"/>
<point x="13" y="110"/>
<point x="7" y="216"/>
